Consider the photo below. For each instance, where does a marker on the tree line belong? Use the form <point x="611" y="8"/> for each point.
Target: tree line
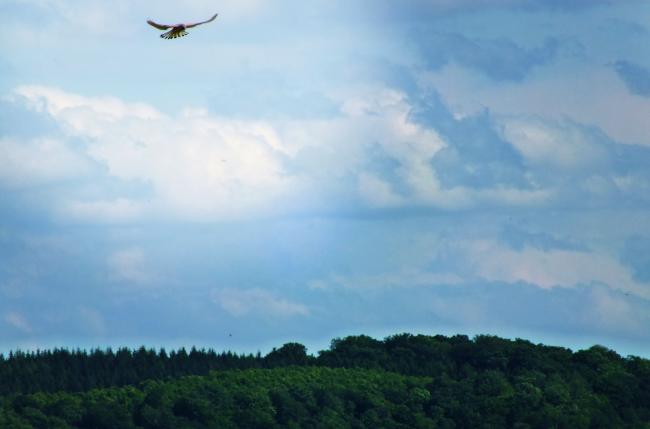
<point x="403" y="381"/>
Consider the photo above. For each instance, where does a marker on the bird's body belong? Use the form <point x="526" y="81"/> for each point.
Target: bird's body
<point x="177" y="30"/>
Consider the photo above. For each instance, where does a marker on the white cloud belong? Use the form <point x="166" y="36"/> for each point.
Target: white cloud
<point x="84" y="116"/>
<point x="584" y="93"/>
<point x="203" y="167"/>
<point x="567" y="158"/>
<point x="129" y="265"/>
<point x="331" y="150"/>
<point x="377" y="192"/>
<point x="404" y="278"/>
<point x="18" y="321"/>
<point x="548" y="269"/>
<point x="120" y="210"/>
<point x="39" y="161"/>
<point x="242" y="302"/>
<point x="200" y="166"/>
<point x="555" y="144"/>
<point x="385" y="118"/>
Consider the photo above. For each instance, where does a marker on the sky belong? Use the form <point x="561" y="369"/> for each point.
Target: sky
<point x="299" y="171"/>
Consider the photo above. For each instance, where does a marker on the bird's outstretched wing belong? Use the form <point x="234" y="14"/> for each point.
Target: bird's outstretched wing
<point x="202" y="22"/>
<point x="159" y="26"/>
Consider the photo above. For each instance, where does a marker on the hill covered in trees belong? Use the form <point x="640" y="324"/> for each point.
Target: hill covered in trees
<point x="404" y="381"/>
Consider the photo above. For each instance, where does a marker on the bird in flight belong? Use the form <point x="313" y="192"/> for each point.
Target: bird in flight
<point x="177" y="30"/>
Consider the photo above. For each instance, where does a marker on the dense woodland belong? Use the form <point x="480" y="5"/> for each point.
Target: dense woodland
<point x="404" y="381"/>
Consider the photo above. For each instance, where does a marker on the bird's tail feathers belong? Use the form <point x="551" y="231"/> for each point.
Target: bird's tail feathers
<point x="174" y="34"/>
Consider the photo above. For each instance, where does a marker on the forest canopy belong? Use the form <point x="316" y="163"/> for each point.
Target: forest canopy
<point x="403" y="381"/>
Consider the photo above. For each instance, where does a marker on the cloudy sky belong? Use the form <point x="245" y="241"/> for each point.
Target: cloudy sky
<point x="305" y="170"/>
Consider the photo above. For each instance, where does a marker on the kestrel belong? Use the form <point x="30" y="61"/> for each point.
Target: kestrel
<point x="177" y="30"/>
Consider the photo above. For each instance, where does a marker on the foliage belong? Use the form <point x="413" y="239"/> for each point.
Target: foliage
<point x="404" y="381"/>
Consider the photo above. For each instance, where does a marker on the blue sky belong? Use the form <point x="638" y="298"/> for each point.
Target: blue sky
<point x="299" y="171"/>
